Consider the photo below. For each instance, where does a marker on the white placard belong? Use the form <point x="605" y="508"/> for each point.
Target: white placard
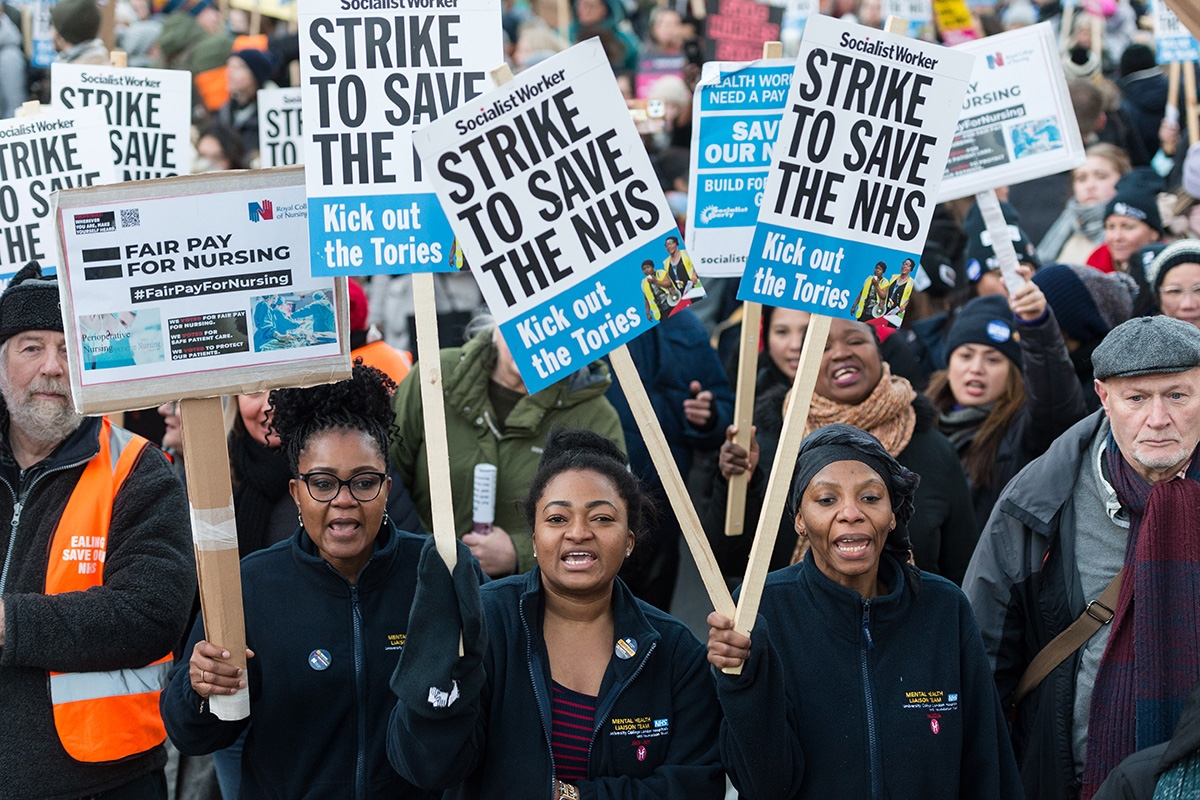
<point x="280" y="127"/>
<point x="1173" y="40"/>
<point x="557" y="208"/>
<point x="736" y="111"/>
<point x="38" y="155"/>
<point x="149" y="113"/>
<point x="190" y="284"/>
<point x="854" y="181"/>
<point x="1017" y="122"/>
<point x="369" y="79"/>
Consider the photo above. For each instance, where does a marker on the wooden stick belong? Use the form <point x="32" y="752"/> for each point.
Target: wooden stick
<point x="1189" y="99"/>
<point x="700" y="11"/>
<point x="780" y="482"/>
<point x="896" y="25"/>
<point x="743" y="409"/>
<point x="119" y="59"/>
<point x="1097" y="37"/>
<point x="30" y="108"/>
<point x="1188" y="13"/>
<point x="214" y="536"/>
<point x="1064" y="31"/>
<point x="255" y="22"/>
<point x="1172" y="109"/>
<point x="668" y="471"/>
<point x="564" y="20"/>
<point x="434" y="404"/>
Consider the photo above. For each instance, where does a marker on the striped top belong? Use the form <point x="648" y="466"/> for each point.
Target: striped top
<point x="572" y="716"/>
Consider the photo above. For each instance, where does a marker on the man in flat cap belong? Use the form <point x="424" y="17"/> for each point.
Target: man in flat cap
<point x="96" y="576"/>
<point x="1117" y="493"/>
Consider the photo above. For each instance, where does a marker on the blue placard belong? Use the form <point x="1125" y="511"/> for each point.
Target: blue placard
<point x="380" y="234"/>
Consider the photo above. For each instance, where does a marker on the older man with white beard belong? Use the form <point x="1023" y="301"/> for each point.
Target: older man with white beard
<point x="96" y="576"/>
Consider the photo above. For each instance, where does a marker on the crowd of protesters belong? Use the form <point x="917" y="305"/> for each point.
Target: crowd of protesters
<point x="986" y="582"/>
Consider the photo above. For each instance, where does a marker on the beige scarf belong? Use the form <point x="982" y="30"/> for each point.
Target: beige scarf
<point x="887" y="413"/>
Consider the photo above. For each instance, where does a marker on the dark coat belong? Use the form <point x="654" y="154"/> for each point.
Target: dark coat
<point x="884" y="698"/>
<point x="1025" y="589"/>
<point x="1053" y="403"/>
<point x="315" y="733"/>
<point x="943" y="529"/>
<point x="135" y="618"/>
<point x="497" y="745"/>
<point x="1144" y="101"/>
<point x="1136" y="777"/>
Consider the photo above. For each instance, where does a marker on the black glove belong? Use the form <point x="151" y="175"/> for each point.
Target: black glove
<point x="431" y="679"/>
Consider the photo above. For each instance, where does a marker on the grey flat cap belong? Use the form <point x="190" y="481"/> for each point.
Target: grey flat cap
<point x="1145" y="346"/>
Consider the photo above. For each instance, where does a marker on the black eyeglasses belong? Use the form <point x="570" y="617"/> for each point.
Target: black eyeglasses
<point x="323" y="486"/>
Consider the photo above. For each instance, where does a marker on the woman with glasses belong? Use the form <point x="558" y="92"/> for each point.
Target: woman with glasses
<point x="1175" y="276"/>
<point x="326" y="613"/>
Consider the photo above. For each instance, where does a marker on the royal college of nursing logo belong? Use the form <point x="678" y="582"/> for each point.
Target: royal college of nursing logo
<point x="262" y="210"/>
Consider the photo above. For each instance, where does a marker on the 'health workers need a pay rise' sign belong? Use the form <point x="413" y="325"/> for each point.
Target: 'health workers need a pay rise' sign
<point x="370" y="77"/>
<point x="557" y="209"/>
<point x="861" y="149"/>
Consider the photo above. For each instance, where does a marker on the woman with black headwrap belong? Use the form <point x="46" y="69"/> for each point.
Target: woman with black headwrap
<point x="867" y="676"/>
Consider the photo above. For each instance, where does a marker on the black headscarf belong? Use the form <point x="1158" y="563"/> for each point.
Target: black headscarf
<point x="845" y="443"/>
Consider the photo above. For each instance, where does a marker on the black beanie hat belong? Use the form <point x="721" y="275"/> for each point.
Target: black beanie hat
<point x="979" y="253"/>
<point x="988" y="321"/>
<point x="76" y="20"/>
<point x="30" y="303"/>
<point x="1086" y="302"/>
<point x="260" y="62"/>
<point x="1137" y="197"/>
<point x="1136" y="58"/>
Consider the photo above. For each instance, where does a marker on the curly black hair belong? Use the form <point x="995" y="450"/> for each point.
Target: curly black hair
<point x="363" y="402"/>
<point x="580" y="449"/>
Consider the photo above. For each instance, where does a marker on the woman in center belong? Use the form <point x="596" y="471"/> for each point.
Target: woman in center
<point x="904" y="705"/>
<point x="570" y="687"/>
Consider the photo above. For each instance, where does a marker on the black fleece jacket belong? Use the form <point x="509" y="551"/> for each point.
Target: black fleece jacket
<point x="656" y="725"/>
<point x="316" y="733"/>
<point x="135" y="618"/>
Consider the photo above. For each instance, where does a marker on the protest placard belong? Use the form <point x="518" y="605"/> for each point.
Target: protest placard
<point x="735" y="30"/>
<point x="280" y="127"/>
<point x="189" y="288"/>
<point x="39" y="155"/>
<point x="854" y="181"/>
<point x="554" y="152"/>
<point x="1017" y="122"/>
<point x="1188" y="14"/>
<point x="559" y="214"/>
<point x="791" y="28"/>
<point x="652" y="68"/>
<point x="193" y="287"/>
<point x="737" y="107"/>
<point x="277" y="9"/>
<point x="148" y="111"/>
<point x="368" y="80"/>
<point x="955" y="21"/>
<point x="39" y="40"/>
<point x="1174" y="41"/>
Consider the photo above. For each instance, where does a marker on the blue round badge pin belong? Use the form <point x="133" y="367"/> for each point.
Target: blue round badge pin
<point x="626" y="648"/>
<point x="998" y="331"/>
<point x="320" y="660"/>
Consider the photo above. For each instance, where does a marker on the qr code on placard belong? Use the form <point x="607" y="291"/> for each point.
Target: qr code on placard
<point x="130" y="218"/>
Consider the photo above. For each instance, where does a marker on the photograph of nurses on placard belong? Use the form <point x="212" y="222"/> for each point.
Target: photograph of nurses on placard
<point x="671" y="285"/>
<point x="283" y="321"/>
<point x="883" y="299"/>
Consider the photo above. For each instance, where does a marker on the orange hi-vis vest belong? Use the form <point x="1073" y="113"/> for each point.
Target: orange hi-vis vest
<point x="101" y="716"/>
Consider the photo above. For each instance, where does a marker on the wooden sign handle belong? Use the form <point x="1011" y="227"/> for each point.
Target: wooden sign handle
<point x="780" y="483"/>
<point x="997" y="228"/>
<point x="668" y="471"/>
<point x="433" y="403"/>
<point x="119" y="59"/>
<point x="743" y="407"/>
<point x="214" y="536"/>
<point x="1189" y="99"/>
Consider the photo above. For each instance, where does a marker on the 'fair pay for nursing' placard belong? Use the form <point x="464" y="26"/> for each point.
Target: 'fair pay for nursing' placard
<point x="39" y="155"/>
<point x="737" y="108"/>
<point x="1017" y="122"/>
<point x="557" y="209"/>
<point x="204" y="288"/>
<point x="149" y="113"/>
<point x="861" y="151"/>
<point x="369" y="78"/>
